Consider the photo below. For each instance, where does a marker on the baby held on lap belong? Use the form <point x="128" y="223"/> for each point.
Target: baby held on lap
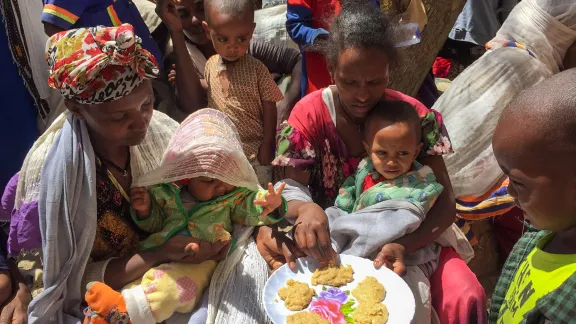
<point x="388" y="197"/>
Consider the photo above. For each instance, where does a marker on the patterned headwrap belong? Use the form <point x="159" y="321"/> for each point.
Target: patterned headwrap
<point x="98" y="64"/>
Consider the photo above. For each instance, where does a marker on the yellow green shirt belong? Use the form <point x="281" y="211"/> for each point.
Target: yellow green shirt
<point x="537" y="276"/>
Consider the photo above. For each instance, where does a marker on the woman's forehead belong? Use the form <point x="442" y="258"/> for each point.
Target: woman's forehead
<point x="360" y="61"/>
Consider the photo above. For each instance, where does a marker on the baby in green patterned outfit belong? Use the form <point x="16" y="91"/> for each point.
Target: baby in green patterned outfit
<point x="392" y="139"/>
<point x="204" y="186"/>
<point x="389" y="196"/>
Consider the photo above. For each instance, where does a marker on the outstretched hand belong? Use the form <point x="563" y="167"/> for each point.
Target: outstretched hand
<point x="272" y="200"/>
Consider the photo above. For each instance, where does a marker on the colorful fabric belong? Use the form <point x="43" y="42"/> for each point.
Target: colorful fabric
<point x="538" y="275"/>
<point x="169" y="288"/>
<point x="210" y="221"/>
<point x="555" y="306"/>
<point x="97" y="64"/>
<point x="306" y="20"/>
<point x="441" y="67"/>
<point x="419" y="187"/>
<point x="105" y="305"/>
<point x="309" y="141"/>
<point x="464" y="226"/>
<point x="238" y="89"/>
<point x="494" y="44"/>
<point x="72" y="14"/>
<point x="495" y="202"/>
<point x="116" y="234"/>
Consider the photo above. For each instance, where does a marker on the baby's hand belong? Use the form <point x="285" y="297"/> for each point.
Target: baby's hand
<point x="140" y="202"/>
<point x="392" y="256"/>
<point x="272" y="200"/>
<point x="172" y="75"/>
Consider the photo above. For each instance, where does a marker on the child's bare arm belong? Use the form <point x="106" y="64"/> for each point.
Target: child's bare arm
<point x="141" y="202"/>
<point x="266" y="154"/>
<point x="191" y="94"/>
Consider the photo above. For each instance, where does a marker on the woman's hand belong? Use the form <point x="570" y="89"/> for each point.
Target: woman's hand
<point x="166" y="10"/>
<point x="392" y="256"/>
<point x="276" y="248"/>
<point x="312" y="234"/>
<point x="16" y="310"/>
<point x="190" y="250"/>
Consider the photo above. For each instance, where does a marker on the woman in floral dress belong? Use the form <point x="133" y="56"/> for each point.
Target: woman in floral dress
<point x="321" y="145"/>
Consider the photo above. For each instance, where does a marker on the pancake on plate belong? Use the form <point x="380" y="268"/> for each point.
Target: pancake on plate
<point x="296" y="295"/>
<point x="369" y="291"/>
<point x="306" y="318"/>
<point x="370" y="313"/>
<point x="333" y="275"/>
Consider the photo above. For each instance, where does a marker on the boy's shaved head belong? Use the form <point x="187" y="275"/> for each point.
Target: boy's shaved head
<point x="235" y="8"/>
<point x="545" y="115"/>
<point x="535" y="145"/>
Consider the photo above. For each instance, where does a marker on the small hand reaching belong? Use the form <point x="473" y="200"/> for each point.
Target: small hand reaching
<point x="392" y="256"/>
<point x="272" y="200"/>
<point x="141" y="202"/>
<point x="172" y="75"/>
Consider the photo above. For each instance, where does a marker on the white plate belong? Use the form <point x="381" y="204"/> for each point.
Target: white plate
<point x="399" y="298"/>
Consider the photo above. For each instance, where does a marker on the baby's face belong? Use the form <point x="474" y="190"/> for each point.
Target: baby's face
<point x="392" y="148"/>
<point x="230" y="35"/>
<point x="205" y="188"/>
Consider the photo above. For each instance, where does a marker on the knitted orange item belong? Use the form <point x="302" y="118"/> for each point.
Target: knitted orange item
<point x="105" y="305"/>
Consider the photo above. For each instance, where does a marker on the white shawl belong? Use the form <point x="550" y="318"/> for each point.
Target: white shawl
<point x="59" y="172"/>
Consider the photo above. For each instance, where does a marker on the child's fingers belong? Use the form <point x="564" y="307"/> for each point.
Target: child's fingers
<point x="192" y="248"/>
<point x="270" y="188"/>
<point x="281" y="188"/>
<point x="260" y="202"/>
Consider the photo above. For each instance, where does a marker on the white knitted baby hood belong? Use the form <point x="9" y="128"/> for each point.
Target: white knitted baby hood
<point x="206" y="144"/>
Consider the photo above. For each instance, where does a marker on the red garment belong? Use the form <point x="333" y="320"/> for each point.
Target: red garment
<point x="369" y="182"/>
<point x="320" y="13"/>
<point x="457" y="296"/>
<point x="441" y="67"/>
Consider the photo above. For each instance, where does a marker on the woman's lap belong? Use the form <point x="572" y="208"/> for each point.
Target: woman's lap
<point x="241" y="298"/>
<point x="457" y="295"/>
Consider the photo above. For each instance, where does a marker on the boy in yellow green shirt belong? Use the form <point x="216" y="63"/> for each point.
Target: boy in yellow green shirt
<point x="535" y="145"/>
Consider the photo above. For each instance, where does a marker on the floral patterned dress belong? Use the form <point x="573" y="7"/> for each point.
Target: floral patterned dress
<point x="309" y="141"/>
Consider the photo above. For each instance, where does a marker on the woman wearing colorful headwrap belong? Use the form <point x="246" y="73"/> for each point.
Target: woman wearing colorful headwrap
<point x="69" y="200"/>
